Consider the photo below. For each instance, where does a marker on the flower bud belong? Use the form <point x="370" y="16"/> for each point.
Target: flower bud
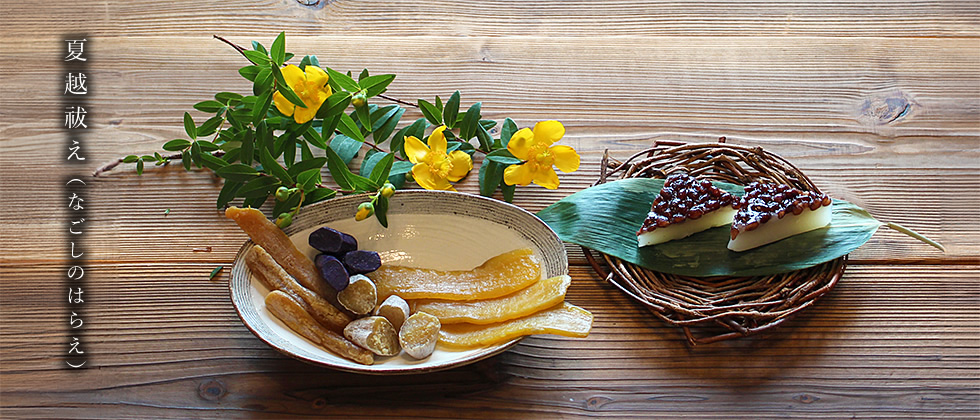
<point x="364" y="211"/>
<point x="387" y="190"/>
<point x="282" y="194"/>
<point x="284" y="220"/>
<point x="359" y="99"/>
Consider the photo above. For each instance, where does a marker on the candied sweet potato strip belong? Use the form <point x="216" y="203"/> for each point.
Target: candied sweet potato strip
<point x="291" y="313"/>
<point x="564" y="319"/>
<point x="498" y="276"/>
<point x="276" y="243"/>
<point x="538" y="296"/>
<point x="269" y="272"/>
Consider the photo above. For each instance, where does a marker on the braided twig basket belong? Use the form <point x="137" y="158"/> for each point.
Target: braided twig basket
<point x="716" y="308"/>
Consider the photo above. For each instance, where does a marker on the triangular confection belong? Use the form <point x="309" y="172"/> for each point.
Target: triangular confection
<point x="684" y="207"/>
<point x="769" y="212"/>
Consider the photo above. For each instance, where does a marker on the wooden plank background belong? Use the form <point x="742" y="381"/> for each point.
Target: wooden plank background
<point x="878" y="102"/>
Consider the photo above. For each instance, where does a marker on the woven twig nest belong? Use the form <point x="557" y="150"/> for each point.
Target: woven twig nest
<point x="711" y="309"/>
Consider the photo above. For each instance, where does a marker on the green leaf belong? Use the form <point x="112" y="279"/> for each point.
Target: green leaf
<point x="451" y="111"/>
<point x="380" y="172"/>
<point x="189" y="126"/>
<point x="228" y="192"/>
<point x="307" y="164"/>
<point x="256" y="57"/>
<point x="416" y="129"/>
<point x="206" y="146"/>
<point x="262" y="107"/>
<point x="308" y="179"/>
<point x="227" y="97"/>
<point x="504" y="157"/>
<point x="210" y="126"/>
<point x="335" y="105"/>
<point x="255" y="202"/>
<point x="381" y="210"/>
<point x="248" y="147"/>
<point x="506" y="132"/>
<point x="386" y="124"/>
<point x="279" y="49"/>
<point x="319" y="194"/>
<point x="259" y="187"/>
<point x="606" y="218"/>
<point x="209" y="106"/>
<point x="249" y="72"/>
<point x="185" y="159"/>
<point x="486" y="140"/>
<point x="348" y="127"/>
<point x="363" y="116"/>
<point x="237" y="172"/>
<point x="304" y="62"/>
<point x="343" y="81"/>
<point x="508" y="191"/>
<point x="134" y="158"/>
<point x="216" y="269"/>
<point x="196" y="154"/>
<point x="328" y="128"/>
<point x="270" y="165"/>
<point x="345" y="147"/>
<point x="401" y="167"/>
<point x="211" y="162"/>
<point x="377" y="84"/>
<point x="338" y="170"/>
<point x="139" y="167"/>
<point x="286" y="206"/>
<point x="360" y="77"/>
<point x="431" y="112"/>
<point x="491" y="173"/>
<point x="285" y="90"/>
<point x="263" y="81"/>
<point x="371" y="159"/>
<point x="170" y="146"/>
<point x="257" y="46"/>
<point x="471" y="121"/>
<point x="314" y="138"/>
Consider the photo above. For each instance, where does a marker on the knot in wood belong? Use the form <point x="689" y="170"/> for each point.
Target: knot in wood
<point x="211" y="390"/>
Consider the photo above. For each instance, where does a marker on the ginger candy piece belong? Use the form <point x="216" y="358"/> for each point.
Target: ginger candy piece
<point x="275" y="277"/>
<point x="360" y="296"/>
<point x="563" y="319"/>
<point x="395" y="310"/>
<point x="538" y="296"/>
<point x="419" y="334"/>
<point x="277" y="244"/>
<point x="374" y="333"/>
<point x="291" y="313"/>
<point x="498" y="276"/>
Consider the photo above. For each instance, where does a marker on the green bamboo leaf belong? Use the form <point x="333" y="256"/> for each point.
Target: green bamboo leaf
<point x="209" y="106"/>
<point x="228" y="192"/>
<point x="237" y="172"/>
<point x="189" y="126"/>
<point x="285" y="89"/>
<point x="170" y="146"/>
<point x="606" y="218"/>
<point x="451" y="111"/>
<point x="279" y="49"/>
<point x="491" y="173"/>
<point x="376" y="85"/>
<point x="470" y="123"/>
<point x="348" y="127"/>
<point x="342" y="80"/>
<point x="431" y="112"/>
<point x="270" y="165"/>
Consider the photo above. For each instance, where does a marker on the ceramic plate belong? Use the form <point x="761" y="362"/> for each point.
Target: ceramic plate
<point x="433" y="229"/>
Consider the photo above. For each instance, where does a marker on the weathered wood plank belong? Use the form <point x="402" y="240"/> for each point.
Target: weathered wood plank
<point x="160" y="333"/>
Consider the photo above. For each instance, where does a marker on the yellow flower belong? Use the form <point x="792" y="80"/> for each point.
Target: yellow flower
<point x="434" y="169"/>
<point x="310" y="86"/>
<point x="535" y="149"/>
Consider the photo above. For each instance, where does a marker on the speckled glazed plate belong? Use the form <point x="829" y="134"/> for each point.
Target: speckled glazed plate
<point x="433" y="229"/>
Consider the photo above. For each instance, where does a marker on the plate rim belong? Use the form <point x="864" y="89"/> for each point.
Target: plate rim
<point x="485" y="353"/>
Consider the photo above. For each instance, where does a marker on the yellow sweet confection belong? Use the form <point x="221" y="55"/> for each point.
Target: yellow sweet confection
<point x="538" y="296"/>
<point x="564" y="319"/>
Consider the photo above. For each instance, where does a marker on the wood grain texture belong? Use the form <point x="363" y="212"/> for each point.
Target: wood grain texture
<point x="878" y="102"/>
<point x="167" y="343"/>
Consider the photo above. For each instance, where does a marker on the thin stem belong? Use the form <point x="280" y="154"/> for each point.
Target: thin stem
<point x="916" y="235"/>
<point x="396" y="100"/>
<point x="233" y="45"/>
